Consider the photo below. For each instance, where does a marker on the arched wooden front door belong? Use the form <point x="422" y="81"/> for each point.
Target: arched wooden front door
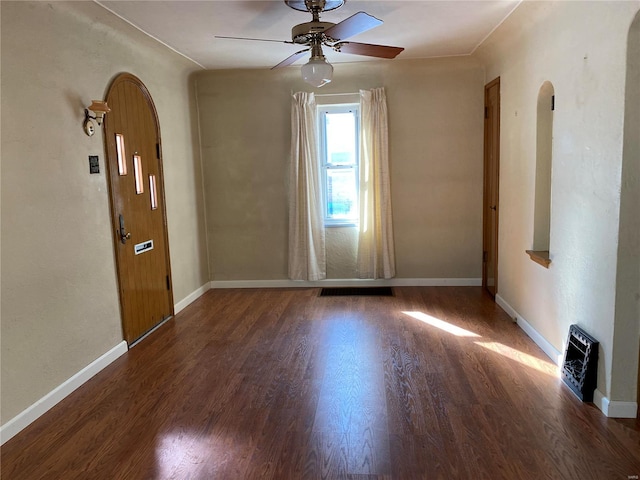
<point x="136" y="187"/>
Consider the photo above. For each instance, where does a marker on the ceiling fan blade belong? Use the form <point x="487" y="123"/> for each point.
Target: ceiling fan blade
<point x="368" y="49"/>
<point x="355" y="24"/>
<point x="292" y="58"/>
<point x="253" y="39"/>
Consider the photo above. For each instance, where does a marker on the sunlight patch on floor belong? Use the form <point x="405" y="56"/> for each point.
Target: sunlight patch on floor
<point x="441" y="324"/>
<point x="184" y="454"/>
<point x="546" y="367"/>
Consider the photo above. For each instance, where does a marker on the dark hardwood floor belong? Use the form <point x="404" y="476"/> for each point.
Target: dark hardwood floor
<point x="434" y="383"/>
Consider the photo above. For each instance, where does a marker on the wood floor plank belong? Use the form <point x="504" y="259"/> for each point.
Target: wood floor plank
<point x="432" y="383"/>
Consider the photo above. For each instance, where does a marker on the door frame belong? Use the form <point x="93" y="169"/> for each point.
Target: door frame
<point x="114" y="214"/>
<point x="496" y="181"/>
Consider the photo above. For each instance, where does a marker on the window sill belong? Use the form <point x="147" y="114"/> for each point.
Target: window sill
<point x="540" y="257"/>
<point x="340" y="225"/>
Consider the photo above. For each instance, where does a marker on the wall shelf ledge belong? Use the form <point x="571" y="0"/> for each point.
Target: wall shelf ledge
<point x="540" y="256"/>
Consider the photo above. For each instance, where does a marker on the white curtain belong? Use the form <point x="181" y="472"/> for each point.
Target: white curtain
<point x="306" y="226"/>
<point x="376" y="258"/>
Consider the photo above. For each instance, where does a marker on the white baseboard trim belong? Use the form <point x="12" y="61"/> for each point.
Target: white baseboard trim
<point x="623" y="409"/>
<point x="349" y="282"/>
<point x="600" y="401"/>
<point x="556" y="356"/>
<point x="32" y="413"/>
<point x="539" y="340"/>
<point x="506" y="307"/>
<point x="614" y="409"/>
<point x="189" y="299"/>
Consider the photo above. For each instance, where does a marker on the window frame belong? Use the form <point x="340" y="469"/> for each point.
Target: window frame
<point x="325" y="166"/>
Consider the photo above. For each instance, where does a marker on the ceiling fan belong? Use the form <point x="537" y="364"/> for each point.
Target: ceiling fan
<point x="315" y="34"/>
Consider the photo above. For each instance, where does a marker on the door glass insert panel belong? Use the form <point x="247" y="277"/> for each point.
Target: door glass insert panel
<point x="153" y="192"/>
<point x="137" y="171"/>
<point x="120" y="154"/>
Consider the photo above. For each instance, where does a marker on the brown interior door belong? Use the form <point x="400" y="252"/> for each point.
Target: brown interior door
<point x="132" y="139"/>
<point x="491" y="186"/>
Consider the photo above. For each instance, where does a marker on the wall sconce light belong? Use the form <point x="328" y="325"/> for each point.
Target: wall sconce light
<point x="99" y="108"/>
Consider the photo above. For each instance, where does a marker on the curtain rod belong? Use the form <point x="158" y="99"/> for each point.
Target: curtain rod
<point x="334" y="94"/>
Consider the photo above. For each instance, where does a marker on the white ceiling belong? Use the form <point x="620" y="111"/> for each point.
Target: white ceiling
<point x="424" y="28"/>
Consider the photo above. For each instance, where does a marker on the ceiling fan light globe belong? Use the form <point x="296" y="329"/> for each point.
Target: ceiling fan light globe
<point x="317" y="72"/>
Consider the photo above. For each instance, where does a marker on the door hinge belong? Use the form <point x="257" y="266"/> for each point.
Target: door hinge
<point x="158" y="151"/>
<point x="485" y="257"/>
<point x="553" y="102"/>
<point x="168" y="285"/>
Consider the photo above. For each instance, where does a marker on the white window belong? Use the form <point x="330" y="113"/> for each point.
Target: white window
<point x="339" y="151"/>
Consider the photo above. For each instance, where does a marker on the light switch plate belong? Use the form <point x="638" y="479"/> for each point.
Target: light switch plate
<point x="94" y="164"/>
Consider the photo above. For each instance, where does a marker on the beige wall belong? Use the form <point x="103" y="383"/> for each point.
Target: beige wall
<point x="625" y="343"/>
<point x="581" y="48"/>
<point x="435" y="135"/>
<point x="342" y="252"/>
<point x="60" y="307"/>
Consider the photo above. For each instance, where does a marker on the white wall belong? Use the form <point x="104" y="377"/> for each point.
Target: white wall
<point x="435" y="137"/>
<point x="60" y="307"/>
<point x="581" y="48"/>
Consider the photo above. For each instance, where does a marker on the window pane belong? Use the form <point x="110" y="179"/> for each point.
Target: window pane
<point x="341" y="138"/>
<point x="341" y="194"/>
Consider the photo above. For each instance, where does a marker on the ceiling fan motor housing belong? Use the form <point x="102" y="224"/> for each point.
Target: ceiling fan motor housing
<point x="305" y="32"/>
<point x="310" y="5"/>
